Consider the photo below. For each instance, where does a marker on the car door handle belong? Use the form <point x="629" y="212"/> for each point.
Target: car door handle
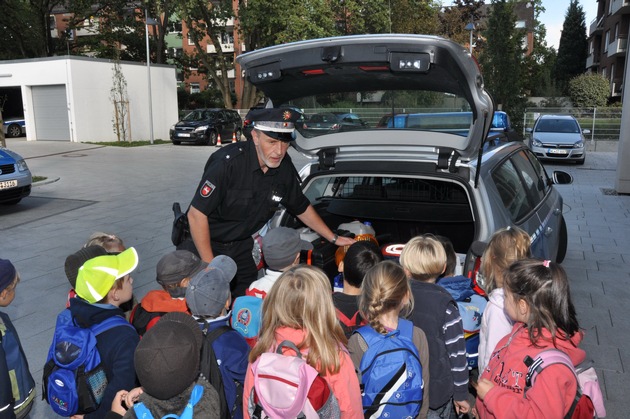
<point x="557" y="211"/>
<point x="548" y="231"/>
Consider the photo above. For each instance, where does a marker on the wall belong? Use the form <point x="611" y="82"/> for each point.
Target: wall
<point x="88" y="92"/>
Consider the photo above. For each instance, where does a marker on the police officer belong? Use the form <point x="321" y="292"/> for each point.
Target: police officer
<point x="240" y="190"/>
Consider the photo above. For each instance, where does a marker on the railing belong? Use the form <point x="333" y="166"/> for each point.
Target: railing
<point x="618" y="4"/>
<point x="618" y="46"/>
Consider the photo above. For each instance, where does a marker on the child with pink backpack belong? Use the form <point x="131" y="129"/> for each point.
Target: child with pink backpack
<point x="299" y="365"/>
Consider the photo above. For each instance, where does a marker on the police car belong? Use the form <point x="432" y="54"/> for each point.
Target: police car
<point x="437" y="177"/>
<point x="15" y="177"/>
<point x="14" y="127"/>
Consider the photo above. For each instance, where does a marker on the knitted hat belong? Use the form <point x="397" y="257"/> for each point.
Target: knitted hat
<point x="167" y="357"/>
<point x="175" y="266"/>
<point x="281" y="245"/>
<point x="7" y="273"/>
<point x="97" y="276"/>
<point x="209" y="290"/>
<point x="76" y="260"/>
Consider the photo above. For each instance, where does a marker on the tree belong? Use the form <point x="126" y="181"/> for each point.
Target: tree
<point x="573" y="48"/>
<point x="589" y="90"/>
<point x="120" y="100"/>
<point x="21" y="31"/>
<point x="454" y="19"/>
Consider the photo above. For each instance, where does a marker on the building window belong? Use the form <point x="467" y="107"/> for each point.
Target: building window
<point x="190" y="41"/>
<point x="520" y="24"/>
<point x="194" y="88"/>
<point x="591" y="47"/>
<point x="604" y="73"/>
<point x="606" y="41"/>
<point x="612" y="72"/>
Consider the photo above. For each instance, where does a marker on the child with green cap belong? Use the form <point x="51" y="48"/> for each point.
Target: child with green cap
<point x="103" y="284"/>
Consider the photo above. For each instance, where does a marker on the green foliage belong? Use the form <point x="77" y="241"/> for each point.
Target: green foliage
<point x="453" y="21"/>
<point x="589" y="90"/>
<point x="22" y="33"/>
<point x="573" y="48"/>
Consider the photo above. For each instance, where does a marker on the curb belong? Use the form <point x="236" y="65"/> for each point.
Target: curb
<point x="44" y="182"/>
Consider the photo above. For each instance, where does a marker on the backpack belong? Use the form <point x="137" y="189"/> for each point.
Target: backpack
<point x="21" y="393"/>
<point x="588" y="402"/>
<point x="74" y="380"/>
<point x="142" y="412"/>
<point x="143" y="320"/>
<point x="246" y="317"/>
<point x="220" y="377"/>
<point x="391" y="373"/>
<point x="349" y="325"/>
<point x="287" y="386"/>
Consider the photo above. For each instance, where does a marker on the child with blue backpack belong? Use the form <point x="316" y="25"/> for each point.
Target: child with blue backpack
<point x="384" y="301"/>
<point x="17" y="387"/>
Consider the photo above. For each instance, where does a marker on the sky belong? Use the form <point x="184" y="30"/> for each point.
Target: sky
<point x="556" y="10"/>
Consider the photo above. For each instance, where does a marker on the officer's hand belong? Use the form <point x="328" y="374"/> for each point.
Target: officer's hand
<point x="344" y="241"/>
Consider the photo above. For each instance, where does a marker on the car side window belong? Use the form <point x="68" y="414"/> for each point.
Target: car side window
<point x="511" y="190"/>
<point x="541" y="173"/>
<point x="533" y="183"/>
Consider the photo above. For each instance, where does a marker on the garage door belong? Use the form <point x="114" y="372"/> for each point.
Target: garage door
<point x="51" y="113"/>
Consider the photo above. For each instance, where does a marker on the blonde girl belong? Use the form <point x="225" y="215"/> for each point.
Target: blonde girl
<point x="299" y="309"/>
<point x="506" y="246"/>
<point x="538" y="299"/>
<point x="385" y="298"/>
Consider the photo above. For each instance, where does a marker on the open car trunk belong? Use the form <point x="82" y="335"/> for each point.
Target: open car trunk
<point x="398" y="208"/>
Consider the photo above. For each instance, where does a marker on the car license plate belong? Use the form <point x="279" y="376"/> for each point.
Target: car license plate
<point x="183" y="134"/>
<point x="8" y="184"/>
<point x="557" y="151"/>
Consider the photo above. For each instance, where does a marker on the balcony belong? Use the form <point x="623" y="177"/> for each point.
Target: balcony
<point x="618" y="46"/>
<point x="597" y="26"/>
<point x="210" y="49"/>
<point x="592" y="61"/>
<point x="620" y="6"/>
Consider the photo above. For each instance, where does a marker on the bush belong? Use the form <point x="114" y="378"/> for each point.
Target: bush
<point x="589" y="90"/>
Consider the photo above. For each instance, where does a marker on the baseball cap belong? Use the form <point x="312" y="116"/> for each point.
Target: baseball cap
<point x="277" y="123"/>
<point x="177" y="265"/>
<point x="77" y="259"/>
<point x="280" y="245"/>
<point x="97" y="276"/>
<point x="209" y="289"/>
<point x="7" y="273"/>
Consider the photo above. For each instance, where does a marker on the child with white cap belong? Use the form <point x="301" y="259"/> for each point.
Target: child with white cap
<point x="103" y="284"/>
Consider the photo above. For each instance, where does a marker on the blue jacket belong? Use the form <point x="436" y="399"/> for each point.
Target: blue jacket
<point x="116" y="347"/>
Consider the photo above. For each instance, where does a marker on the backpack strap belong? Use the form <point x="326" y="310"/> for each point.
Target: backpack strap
<point x="544" y="359"/>
<point x="195" y="396"/>
<point x="210" y="366"/>
<point x="290" y="345"/>
<point x="109" y="323"/>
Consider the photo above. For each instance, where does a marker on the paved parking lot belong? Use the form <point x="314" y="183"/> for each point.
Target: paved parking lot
<point x="129" y="191"/>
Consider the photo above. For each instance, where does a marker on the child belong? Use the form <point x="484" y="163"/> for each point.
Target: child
<point x="103" y="284"/>
<point x="506" y="246"/>
<point x="299" y="309"/>
<point x="358" y="260"/>
<point x="167" y="364"/>
<point x="538" y="299"/>
<point x="110" y="242"/>
<point x="173" y="273"/>
<point x="17" y="387"/>
<point x="385" y="296"/>
<point x="281" y="249"/>
<point x="208" y="296"/>
<point x="435" y="312"/>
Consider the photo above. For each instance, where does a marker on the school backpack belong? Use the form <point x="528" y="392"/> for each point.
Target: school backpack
<point x="142" y="320"/>
<point x="589" y="401"/>
<point x="74" y="380"/>
<point x="391" y="373"/>
<point x="246" y="317"/>
<point x="21" y="393"/>
<point x="142" y="412"/>
<point x="220" y="376"/>
<point x="286" y="386"/>
<point x="349" y="325"/>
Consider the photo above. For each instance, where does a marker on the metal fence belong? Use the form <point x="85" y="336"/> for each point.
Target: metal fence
<point x="604" y="123"/>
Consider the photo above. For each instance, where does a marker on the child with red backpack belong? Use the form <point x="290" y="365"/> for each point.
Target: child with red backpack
<point x="358" y="260"/>
<point x="300" y="329"/>
<point x="538" y="299"/>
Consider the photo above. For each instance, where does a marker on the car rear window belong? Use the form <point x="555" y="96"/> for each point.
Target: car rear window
<point x="557" y="125"/>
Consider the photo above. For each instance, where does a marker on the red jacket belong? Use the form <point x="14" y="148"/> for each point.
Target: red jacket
<point x="344" y="384"/>
<point x="555" y="388"/>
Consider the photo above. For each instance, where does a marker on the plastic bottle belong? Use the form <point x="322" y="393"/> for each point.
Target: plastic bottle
<point x="369" y="229"/>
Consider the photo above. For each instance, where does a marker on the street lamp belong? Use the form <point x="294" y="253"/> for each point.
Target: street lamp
<point x="470" y="27"/>
<point x="149" y="21"/>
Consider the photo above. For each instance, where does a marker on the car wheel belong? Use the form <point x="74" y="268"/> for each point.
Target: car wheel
<point x="562" y="242"/>
<point x="177" y="142"/>
<point x="212" y="138"/>
<point x="14" y="130"/>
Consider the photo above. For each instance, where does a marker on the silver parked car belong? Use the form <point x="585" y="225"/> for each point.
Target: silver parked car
<point x="435" y="178"/>
<point x="559" y="138"/>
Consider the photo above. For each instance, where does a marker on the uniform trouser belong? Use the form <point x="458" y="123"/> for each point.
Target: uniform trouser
<point x="241" y="252"/>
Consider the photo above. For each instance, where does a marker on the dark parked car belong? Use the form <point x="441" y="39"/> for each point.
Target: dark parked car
<point x="203" y="126"/>
<point x="15" y="177"/>
<point x="411" y="181"/>
<point x="559" y="138"/>
<point x="331" y="122"/>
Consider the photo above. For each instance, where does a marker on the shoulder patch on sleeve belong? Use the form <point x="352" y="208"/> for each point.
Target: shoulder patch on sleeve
<point x="206" y="189"/>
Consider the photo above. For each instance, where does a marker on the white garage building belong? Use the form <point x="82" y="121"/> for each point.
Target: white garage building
<point x="68" y="98"/>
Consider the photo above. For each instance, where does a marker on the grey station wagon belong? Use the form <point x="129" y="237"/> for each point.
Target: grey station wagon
<point x="463" y="184"/>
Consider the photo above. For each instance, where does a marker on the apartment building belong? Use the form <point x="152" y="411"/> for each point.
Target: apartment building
<point x="608" y="43"/>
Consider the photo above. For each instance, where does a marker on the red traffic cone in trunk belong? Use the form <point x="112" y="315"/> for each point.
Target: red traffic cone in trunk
<point x="219" y="140"/>
<point x="234" y="137"/>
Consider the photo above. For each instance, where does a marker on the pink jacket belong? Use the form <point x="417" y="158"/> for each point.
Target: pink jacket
<point x="555" y="388"/>
<point x="344" y="384"/>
